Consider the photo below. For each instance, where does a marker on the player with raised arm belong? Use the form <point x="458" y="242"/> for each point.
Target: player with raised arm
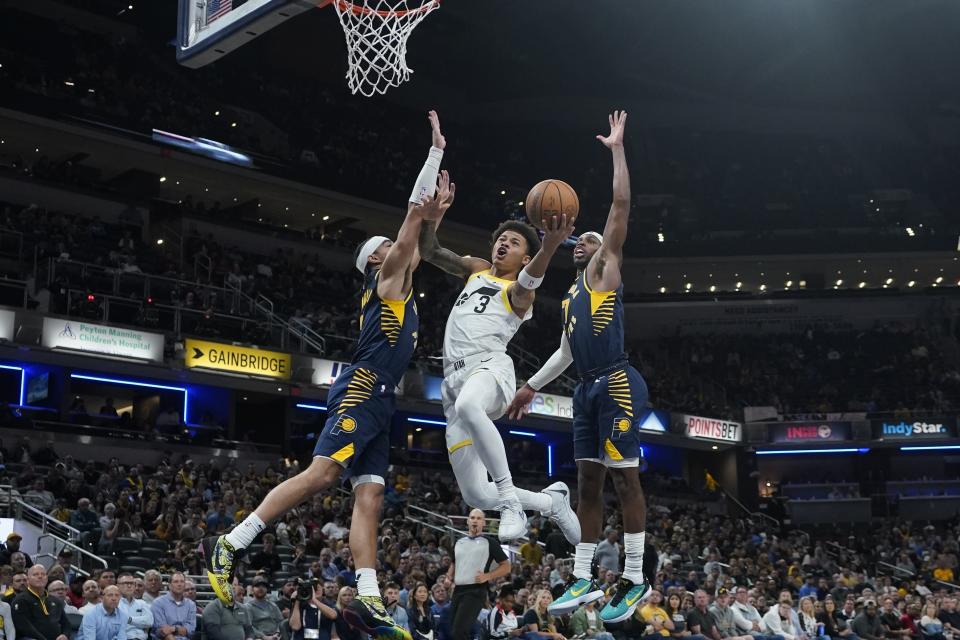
<point x="479" y="379"/>
<point x="607" y="401"/>
<point x="355" y="439"/>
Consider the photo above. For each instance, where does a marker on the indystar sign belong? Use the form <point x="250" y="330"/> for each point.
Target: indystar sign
<point x="914" y="429"/>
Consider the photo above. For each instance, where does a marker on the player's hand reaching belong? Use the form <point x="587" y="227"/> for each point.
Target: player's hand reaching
<point x="555" y="231"/>
<point x="433" y="208"/>
<point x="618" y="122"/>
<point x="438" y="140"/>
<point x="522" y="399"/>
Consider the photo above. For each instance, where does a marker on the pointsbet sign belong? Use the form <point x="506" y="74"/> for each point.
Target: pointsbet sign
<point x="931" y="428"/>
<point x="228" y="357"/>
<point x="712" y="429"/>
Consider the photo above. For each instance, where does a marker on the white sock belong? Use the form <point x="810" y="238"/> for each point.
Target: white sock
<point x="633" y="548"/>
<point x="583" y="561"/>
<point x="243" y="534"/>
<point x="367" y="582"/>
<point x="536" y="501"/>
<point x="506" y="490"/>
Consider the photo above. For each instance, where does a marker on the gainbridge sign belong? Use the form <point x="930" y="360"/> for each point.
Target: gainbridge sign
<point x="228" y="357"/>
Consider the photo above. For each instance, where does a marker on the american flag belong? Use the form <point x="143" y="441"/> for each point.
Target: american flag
<point x="217" y="8"/>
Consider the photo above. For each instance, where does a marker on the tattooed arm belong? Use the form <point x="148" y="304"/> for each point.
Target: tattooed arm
<point x="432" y="252"/>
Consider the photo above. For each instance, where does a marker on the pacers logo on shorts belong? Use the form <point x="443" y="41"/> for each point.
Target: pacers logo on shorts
<point x="345" y="424"/>
<point x="621" y="426"/>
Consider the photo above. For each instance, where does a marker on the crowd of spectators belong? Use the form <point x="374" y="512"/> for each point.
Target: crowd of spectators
<point x="714" y="576"/>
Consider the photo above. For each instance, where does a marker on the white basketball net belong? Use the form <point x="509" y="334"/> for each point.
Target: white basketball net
<point x="377" y="32"/>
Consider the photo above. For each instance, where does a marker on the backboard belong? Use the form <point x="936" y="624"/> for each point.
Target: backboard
<point x="210" y="29"/>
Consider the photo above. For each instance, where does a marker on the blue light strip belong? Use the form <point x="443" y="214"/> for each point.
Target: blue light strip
<point x="941" y="447"/>
<point x="550" y="460"/>
<point x="147" y="385"/>
<point x="526" y="434"/>
<point x="439" y="423"/>
<point x="790" y="452"/>
<point x="311" y="407"/>
<point x="23" y="379"/>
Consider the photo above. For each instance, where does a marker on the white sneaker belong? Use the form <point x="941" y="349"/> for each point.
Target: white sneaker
<point x="513" y="522"/>
<point x="561" y="513"/>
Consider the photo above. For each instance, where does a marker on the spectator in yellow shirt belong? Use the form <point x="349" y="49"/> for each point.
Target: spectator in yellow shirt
<point x="656" y="618"/>
<point x="531" y="551"/>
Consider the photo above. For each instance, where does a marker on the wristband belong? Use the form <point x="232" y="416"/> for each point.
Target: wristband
<point x="426" y="184"/>
<point x="527" y="281"/>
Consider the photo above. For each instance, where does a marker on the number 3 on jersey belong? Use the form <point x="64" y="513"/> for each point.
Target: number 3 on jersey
<point x="482" y="304"/>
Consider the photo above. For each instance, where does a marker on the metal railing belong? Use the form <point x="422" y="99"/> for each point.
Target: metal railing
<point x="46" y="523"/>
<point x="59" y="544"/>
<point x="53" y="559"/>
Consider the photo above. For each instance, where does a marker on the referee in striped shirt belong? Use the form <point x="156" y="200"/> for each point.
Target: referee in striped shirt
<point x="473" y="557"/>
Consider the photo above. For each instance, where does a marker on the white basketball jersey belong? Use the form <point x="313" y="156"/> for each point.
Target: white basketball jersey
<point x="482" y="320"/>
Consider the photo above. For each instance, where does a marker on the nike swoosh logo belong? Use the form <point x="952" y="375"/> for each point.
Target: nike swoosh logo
<point x="487" y="360"/>
<point x="579" y="592"/>
<point x="630" y="602"/>
<point x="562" y="492"/>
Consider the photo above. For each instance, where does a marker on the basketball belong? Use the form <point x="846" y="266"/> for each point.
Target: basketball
<point x="551" y="198"/>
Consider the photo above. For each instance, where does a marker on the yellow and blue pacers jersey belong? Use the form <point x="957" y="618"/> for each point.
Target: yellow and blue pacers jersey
<point x="388" y="331"/>
<point x="593" y="323"/>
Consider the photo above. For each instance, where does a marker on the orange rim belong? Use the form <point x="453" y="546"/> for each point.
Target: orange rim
<point x="356" y="9"/>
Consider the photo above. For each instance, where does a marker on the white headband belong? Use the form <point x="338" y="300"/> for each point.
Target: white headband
<point x="367" y="250"/>
<point x="592" y="234"/>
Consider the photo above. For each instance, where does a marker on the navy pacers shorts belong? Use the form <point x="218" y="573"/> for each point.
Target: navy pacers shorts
<point x="357" y="432"/>
<point x="606" y="417"/>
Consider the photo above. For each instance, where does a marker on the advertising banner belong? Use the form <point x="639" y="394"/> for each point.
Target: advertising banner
<point x="102" y="339"/>
<point x="712" y="429"/>
<point x="228" y="357"/>
<point x="809" y="431"/>
<point x="910" y="429"/>
<point x="550" y="405"/>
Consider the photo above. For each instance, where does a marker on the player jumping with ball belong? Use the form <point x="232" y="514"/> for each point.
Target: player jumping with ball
<point x="607" y="401"/>
<point x="479" y="379"/>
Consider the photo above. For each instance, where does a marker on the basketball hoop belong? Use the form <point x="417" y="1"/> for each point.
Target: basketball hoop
<point x="376" y="32"/>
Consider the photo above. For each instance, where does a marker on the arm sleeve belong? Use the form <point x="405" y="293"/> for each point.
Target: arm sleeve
<point x="554" y="366"/>
<point x="426" y="184"/>
<point x="122" y="632"/>
<point x="742" y="623"/>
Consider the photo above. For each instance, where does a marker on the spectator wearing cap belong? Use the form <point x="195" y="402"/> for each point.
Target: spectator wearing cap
<point x="8" y="630"/>
<point x="174" y="616"/>
<point x="866" y="625"/>
<point x="105" y="621"/>
<point x="35" y="614"/>
<point x="222" y="622"/>
<point x="11" y="547"/>
<point x="84" y="519"/>
<point x="265" y="616"/>
<point x="723" y="614"/>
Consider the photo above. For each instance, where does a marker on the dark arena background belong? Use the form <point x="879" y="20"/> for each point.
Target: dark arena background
<point x="182" y="191"/>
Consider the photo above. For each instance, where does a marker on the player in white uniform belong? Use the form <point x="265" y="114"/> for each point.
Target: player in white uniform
<point x="479" y="380"/>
